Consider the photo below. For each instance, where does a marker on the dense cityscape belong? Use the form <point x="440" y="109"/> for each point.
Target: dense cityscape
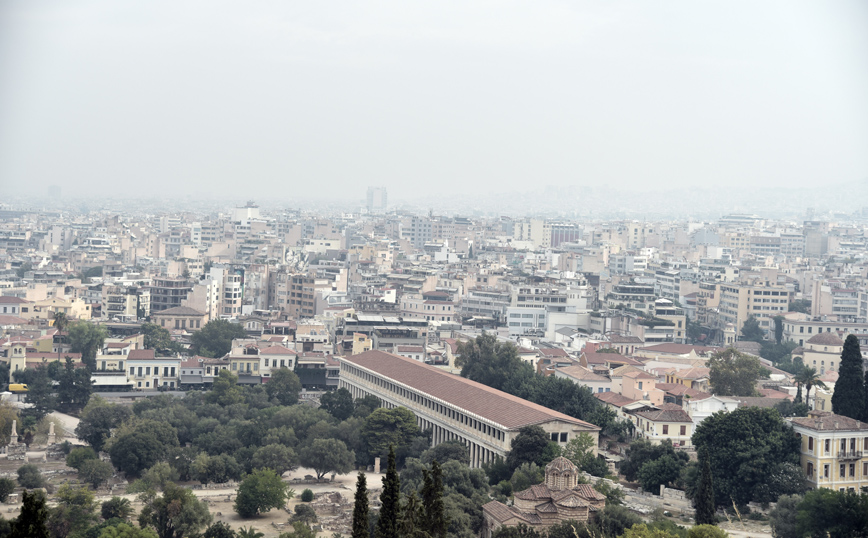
<point x="488" y="269"/>
<point x="504" y="375"/>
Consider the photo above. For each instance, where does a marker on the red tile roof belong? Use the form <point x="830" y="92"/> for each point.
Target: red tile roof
<point x="141" y="354"/>
<point x="501" y="408"/>
<point x="679" y="349"/>
<point x="277" y="350"/>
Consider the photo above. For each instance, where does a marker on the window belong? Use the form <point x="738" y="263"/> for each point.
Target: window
<point x="683" y="430"/>
<point x="563" y="438"/>
<point x="852" y="470"/>
<point x="826" y="471"/>
<point x="842" y="470"/>
<point x="828" y="445"/>
<point x="811" y="469"/>
<point x="665" y="429"/>
<point x="554" y="437"/>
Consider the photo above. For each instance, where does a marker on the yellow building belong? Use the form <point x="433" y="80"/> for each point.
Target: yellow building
<point x="834" y="451"/>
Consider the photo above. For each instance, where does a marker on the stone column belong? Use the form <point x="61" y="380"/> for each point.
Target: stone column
<point x="52" y="437"/>
<point x="13" y="438"/>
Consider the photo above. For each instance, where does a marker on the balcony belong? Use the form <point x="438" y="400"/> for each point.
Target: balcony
<point x="850" y="455"/>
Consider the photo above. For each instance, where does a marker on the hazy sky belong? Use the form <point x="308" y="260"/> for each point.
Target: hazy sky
<point x="325" y="98"/>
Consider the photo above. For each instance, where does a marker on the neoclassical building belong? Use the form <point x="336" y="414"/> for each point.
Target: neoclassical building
<point x="452" y="407"/>
<point x="560" y="498"/>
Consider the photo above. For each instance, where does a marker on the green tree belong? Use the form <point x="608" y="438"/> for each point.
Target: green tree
<point x="327" y="456"/>
<point x="614" y="520"/>
<point x="217" y="469"/>
<point x="703" y="500"/>
<point x="87" y="339"/>
<point x="259" y="492"/>
<point x="133" y="453"/>
<point x="61" y="322"/>
<point x="215" y="338"/>
<point x="7" y="486"/>
<point x="849" y="396"/>
<point x="74" y="388"/>
<point x="389" y="427"/>
<point x="78" y="455"/>
<point x="809" y="378"/>
<point x="390" y="499"/>
<point x="98" y="419"/>
<point x="434" y="511"/>
<point x="751" y="330"/>
<point x="299" y="530"/>
<point x="642" y="530"/>
<point x="177" y="513"/>
<point x="74" y="513"/>
<point x="29" y="476"/>
<point x="338" y="403"/>
<point x="39" y="393"/>
<point x="663" y="471"/>
<point x="32" y="521"/>
<point x="365" y="405"/>
<point x="530" y="445"/>
<point x="249" y="532"/>
<point x="779" y="329"/>
<point x="614" y="494"/>
<point x="125" y="530"/>
<point x="225" y="390"/>
<point x="526" y="475"/>
<point x="304" y="513"/>
<point x="95" y="472"/>
<point x="283" y="386"/>
<point x="800" y="305"/>
<point x="218" y="529"/>
<point x="745" y="447"/>
<point x="306" y="495"/>
<point x="116" y="508"/>
<point x="23" y="269"/>
<point x="154" y="479"/>
<point x="410" y="520"/>
<point x="836" y="514"/>
<point x="642" y="452"/>
<point x="447" y="451"/>
<point x="277" y="457"/>
<point x="706" y="531"/>
<point x="792" y="409"/>
<point x="360" y="509"/>
<point x="734" y="374"/>
<point x="159" y="339"/>
<point x="490" y="362"/>
<point x="782" y="518"/>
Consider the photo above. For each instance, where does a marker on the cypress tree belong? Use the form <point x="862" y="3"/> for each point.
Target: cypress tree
<point x="432" y="499"/>
<point x="31" y="522"/>
<point x="865" y="415"/>
<point x="360" y="509"/>
<point x="703" y="500"/>
<point x="849" y="396"/>
<point x="411" y="523"/>
<point x="387" y="524"/>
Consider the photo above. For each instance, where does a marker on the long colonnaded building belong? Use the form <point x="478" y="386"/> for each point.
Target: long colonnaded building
<point x="452" y="407"/>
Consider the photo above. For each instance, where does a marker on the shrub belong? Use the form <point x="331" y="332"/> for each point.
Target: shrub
<point x="78" y="455"/>
<point x="29" y="476"/>
<point x="306" y="496"/>
<point x="7" y="486"/>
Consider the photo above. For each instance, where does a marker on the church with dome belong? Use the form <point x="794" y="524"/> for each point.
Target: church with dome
<point x="559" y="498"/>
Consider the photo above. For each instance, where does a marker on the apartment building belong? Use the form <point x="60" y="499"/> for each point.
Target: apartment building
<point x="148" y="372"/>
<point x="168" y="292"/>
<point x="763" y="301"/>
<point x="802" y="330"/>
<point x="834" y="451"/>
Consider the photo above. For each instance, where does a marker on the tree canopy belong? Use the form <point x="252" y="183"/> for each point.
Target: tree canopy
<point x="849" y="396"/>
<point x="745" y="449"/>
<point x="215" y="338"/>
<point x="259" y="492"/>
<point x="87" y="338"/>
<point x="734" y="374"/>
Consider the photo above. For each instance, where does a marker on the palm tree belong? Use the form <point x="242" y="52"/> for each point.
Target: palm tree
<point x="60" y="323"/>
<point x="809" y="378"/>
<point x="249" y="532"/>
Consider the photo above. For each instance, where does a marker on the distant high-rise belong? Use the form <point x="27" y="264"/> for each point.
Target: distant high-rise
<point x="377" y="199"/>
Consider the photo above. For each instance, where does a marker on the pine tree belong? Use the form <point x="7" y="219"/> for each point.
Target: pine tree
<point x="849" y="396"/>
<point x="31" y="522"/>
<point x="703" y="500"/>
<point x="411" y="522"/>
<point x="360" y="509"/>
<point x="387" y="524"/>
<point x="432" y="499"/>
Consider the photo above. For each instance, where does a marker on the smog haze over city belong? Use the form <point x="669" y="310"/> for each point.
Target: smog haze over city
<point x="649" y="107"/>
